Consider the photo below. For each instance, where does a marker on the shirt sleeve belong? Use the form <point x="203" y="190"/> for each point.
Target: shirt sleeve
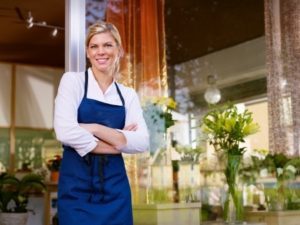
<point x="137" y="141"/>
<point x="67" y="129"/>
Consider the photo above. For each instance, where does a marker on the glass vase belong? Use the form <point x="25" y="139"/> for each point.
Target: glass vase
<point x="233" y="205"/>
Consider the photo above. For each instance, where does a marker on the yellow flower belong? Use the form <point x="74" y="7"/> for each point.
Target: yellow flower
<point x="229" y="124"/>
<point x="250" y="128"/>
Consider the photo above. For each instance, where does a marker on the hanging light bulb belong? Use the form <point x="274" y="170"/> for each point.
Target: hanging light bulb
<point x="212" y="94"/>
<point x="29" y="25"/>
<point x="54" y="32"/>
<point x="29" y="20"/>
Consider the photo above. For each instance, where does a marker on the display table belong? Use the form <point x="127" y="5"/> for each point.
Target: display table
<point x="223" y="223"/>
<point x="287" y="217"/>
<point x="167" y="214"/>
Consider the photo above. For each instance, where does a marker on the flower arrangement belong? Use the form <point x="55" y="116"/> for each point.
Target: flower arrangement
<point x="158" y="116"/>
<point x="226" y="129"/>
<point x="54" y="164"/>
<point x="160" y="109"/>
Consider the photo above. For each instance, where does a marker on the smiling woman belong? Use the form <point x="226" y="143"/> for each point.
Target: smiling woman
<point x="91" y="122"/>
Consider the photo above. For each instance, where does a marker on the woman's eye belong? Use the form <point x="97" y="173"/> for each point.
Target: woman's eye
<point x="108" y="45"/>
<point x="93" y="46"/>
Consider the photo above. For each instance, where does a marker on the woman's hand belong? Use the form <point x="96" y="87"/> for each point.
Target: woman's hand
<point x="131" y="127"/>
<point x="104" y="148"/>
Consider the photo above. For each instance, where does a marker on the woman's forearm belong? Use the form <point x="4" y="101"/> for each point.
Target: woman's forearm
<point x="109" y="135"/>
<point x="105" y="148"/>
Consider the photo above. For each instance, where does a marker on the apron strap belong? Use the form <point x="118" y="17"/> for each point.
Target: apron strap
<point x="86" y="83"/>
<point x="120" y="94"/>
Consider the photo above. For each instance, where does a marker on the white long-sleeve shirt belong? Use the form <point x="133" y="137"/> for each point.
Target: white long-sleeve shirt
<point x="69" y="96"/>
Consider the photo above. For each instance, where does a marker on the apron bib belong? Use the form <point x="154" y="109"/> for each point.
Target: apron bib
<point x="94" y="189"/>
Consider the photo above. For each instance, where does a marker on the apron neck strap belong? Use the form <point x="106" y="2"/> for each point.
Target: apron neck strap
<point x="120" y="94"/>
<point x="86" y="83"/>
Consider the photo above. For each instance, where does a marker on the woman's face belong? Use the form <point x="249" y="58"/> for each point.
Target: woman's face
<point x="102" y="52"/>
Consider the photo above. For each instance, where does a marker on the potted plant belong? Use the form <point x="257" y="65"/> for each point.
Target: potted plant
<point x="226" y="129"/>
<point x="53" y="165"/>
<point x="285" y="169"/>
<point x="14" y="195"/>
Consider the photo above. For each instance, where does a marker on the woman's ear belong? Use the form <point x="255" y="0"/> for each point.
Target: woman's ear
<point x="121" y="52"/>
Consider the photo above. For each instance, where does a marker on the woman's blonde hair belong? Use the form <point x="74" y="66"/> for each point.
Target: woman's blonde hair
<point x="103" y="27"/>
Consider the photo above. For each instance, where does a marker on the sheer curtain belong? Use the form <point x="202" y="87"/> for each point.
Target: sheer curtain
<point x="141" y="24"/>
<point x="282" y="28"/>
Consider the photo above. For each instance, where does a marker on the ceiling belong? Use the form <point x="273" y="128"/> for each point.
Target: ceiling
<point x="197" y="27"/>
<point x="193" y="28"/>
<point x="36" y="45"/>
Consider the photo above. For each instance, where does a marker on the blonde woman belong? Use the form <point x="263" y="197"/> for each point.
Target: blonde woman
<point x="97" y="119"/>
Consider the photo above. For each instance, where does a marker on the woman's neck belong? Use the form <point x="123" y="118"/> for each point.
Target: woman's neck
<point x="104" y="80"/>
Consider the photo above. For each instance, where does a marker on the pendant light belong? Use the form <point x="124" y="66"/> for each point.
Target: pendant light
<point x="212" y="94"/>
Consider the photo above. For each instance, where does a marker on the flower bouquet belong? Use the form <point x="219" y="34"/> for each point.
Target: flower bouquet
<point x="158" y="116"/>
<point x="227" y="128"/>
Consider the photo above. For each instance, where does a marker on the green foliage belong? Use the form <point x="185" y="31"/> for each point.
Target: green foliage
<point x="284" y="167"/>
<point x="175" y="165"/>
<point x="14" y="192"/>
<point x="227" y="128"/>
<point x="160" y="195"/>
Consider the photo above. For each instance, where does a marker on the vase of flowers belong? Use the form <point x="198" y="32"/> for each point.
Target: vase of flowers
<point x="226" y="129"/>
<point x="158" y="116"/>
<point x="53" y="165"/>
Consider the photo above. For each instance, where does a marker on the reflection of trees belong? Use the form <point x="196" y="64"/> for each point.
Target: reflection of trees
<point x="29" y="147"/>
<point x="4" y="151"/>
<point x="29" y="152"/>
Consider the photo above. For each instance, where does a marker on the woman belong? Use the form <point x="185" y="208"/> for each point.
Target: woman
<point x="97" y="119"/>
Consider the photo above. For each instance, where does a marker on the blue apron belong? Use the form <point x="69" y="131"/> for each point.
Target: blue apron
<point x="94" y="190"/>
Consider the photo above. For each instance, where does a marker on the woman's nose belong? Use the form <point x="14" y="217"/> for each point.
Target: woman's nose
<point x="101" y="50"/>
